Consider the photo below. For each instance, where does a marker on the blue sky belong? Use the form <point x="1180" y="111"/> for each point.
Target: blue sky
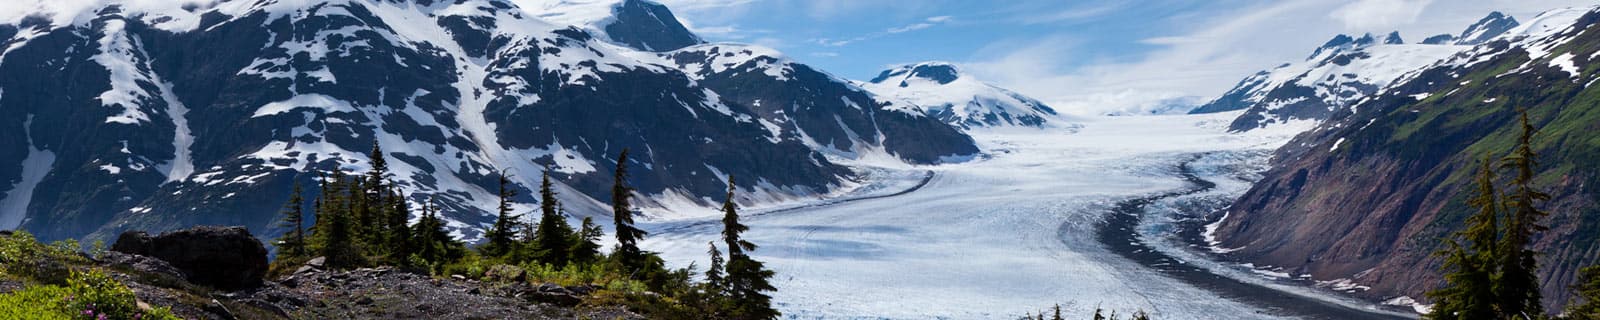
<point x="1083" y="55"/>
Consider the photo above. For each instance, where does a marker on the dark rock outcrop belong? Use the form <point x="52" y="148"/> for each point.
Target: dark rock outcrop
<point x="226" y="258"/>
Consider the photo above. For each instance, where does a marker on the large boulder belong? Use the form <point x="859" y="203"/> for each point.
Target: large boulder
<point x="227" y="258"/>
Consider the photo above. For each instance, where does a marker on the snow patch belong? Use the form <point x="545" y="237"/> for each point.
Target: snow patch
<point x="312" y="100"/>
<point x="38" y="164"/>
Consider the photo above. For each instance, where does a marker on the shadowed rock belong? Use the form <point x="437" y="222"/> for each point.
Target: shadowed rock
<point x="226" y="258"/>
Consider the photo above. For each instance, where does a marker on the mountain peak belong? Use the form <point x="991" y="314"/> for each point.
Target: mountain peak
<point x="936" y="71"/>
<point x="1489" y="27"/>
<point x="938" y="88"/>
<point x="640" y="24"/>
<point x="1393" y="38"/>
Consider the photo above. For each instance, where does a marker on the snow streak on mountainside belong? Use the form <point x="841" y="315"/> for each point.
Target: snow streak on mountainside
<point x="161" y="117"/>
<point x="1364" y="198"/>
<point x="944" y="92"/>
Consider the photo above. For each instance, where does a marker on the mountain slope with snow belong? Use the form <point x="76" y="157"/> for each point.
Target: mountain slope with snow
<point x="942" y="91"/>
<point x="1341" y="72"/>
<point x="160" y="117"/>
<point x="1337" y="74"/>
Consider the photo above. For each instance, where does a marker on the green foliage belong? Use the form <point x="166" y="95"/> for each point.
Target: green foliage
<point x="23" y="258"/>
<point x="586" y="245"/>
<point x="87" y="295"/>
<point x="37" y="302"/>
<point x="1588" y="290"/>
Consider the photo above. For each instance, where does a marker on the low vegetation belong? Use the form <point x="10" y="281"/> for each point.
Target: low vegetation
<point x="361" y="221"/>
<point x="58" y="282"/>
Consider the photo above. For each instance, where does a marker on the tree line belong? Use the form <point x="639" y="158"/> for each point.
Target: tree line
<point x="1490" y="271"/>
<point x="363" y="220"/>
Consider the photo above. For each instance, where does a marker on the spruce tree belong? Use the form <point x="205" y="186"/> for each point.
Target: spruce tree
<point x="1471" y="271"/>
<point x="434" y="244"/>
<point x="586" y="243"/>
<point x="376" y="207"/>
<point x="1518" y="287"/>
<point x="399" y="237"/>
<point x="335" y="234"/>
<point x="554" y="236"/>
<point x="293" y="242"/>
<point x="628" y="236"/>
<point x="1588" y="290"/>
<point x="1057" y="315"/>
<point x="714" y="278"/>
<point x="747" y="280"/>
<point x="502" y="235"/>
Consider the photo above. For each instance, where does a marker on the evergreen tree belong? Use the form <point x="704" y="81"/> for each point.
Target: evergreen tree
<point x="434" y="244"/>
<point x="1518" y="286"/>
<point x="628" y="236"/>
<point x="1470" y="271"/>
<point x="334" y="234"/>
<point x="502" y="235"/>
<point x="714" y="279"/>
<point x="400" y="233"/>
<point x="554" y="236"/>
<point x="1587" y="289"/>
<point x="747" y="280"/>
<point x="1057" y="315"/>
<point x="293" y="243"/>
<point x="586" y="243"/>
<point x="375" y="205"/>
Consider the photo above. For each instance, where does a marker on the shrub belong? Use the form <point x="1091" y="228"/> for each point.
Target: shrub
<point x="87" y="295"/>
<point x="22" y="257"/>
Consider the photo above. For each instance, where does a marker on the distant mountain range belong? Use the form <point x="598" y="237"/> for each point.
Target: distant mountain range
<point x="1340" y="73"/>
<point x="157" y="117"/>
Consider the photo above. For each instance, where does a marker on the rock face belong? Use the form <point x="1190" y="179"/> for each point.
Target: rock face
<point x="1368" y="195"/>
<point x="227" y="258"/>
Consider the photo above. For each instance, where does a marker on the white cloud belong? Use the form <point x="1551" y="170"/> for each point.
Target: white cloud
<point x="924" y="24"/>
<point x="1374" y="15"/>
<point x="1077" y="13"/>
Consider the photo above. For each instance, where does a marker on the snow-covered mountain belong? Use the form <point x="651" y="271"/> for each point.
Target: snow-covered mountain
<point x="1484" y="30"/>
<point x="942" y="90"/>
<point x="157" y="115"/>
<point x="1339" y="73"/>
<point x="827" y="113"/>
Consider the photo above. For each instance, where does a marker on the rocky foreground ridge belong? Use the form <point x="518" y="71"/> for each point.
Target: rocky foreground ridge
<point x="218" y="273"/>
